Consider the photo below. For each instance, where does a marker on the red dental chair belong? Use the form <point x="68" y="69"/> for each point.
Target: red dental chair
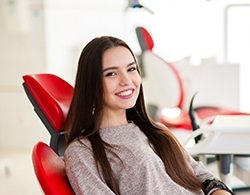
<point x="51" y="97"/>
<point x="49" y="169"/>
<point x="164" y="90"/>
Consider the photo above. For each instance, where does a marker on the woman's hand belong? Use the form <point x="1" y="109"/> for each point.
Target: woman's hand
<point x="221" y="192"/>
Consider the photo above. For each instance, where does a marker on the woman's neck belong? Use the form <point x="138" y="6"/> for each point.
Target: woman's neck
<point x="111" y="119"/>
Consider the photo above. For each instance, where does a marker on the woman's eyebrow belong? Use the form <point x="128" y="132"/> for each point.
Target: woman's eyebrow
<point x="131" y="63"/>
<point x="115" y="67"/>
<point x="110" y="68"/>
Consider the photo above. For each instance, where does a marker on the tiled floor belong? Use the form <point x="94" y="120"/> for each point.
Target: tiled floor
<point x="22" y="181"/>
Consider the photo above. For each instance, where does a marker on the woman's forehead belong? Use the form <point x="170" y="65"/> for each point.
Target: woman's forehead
<point x="117" y="56"/>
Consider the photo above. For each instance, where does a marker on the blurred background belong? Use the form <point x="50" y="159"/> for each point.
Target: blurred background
<point x="48" y="35"/>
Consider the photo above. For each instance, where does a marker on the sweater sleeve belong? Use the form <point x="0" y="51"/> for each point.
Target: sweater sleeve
<point x="199" y="169"/>
<point x="82" y="172"/>
<point x="210" y="182"/>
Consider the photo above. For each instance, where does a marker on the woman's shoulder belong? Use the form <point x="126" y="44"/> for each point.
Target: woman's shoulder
<point x="78" y="145"/>
<point x="78" y="157"/>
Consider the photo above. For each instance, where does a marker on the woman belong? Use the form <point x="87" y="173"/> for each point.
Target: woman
<point x="113" y="146"/>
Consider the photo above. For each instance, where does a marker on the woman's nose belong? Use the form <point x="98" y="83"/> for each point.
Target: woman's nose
<point x="125" y="80"/>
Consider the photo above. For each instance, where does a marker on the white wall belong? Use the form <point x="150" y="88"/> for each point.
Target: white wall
<point x="48" y="35"/>
<point x="69" y="25"/>
<point x="22" y="52"/>
<point x="238" y="47"/>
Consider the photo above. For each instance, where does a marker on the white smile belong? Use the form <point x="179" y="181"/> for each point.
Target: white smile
<point x="125" y="93"/>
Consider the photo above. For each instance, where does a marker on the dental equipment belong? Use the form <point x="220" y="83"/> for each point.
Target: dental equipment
<point x="228" y="137"/>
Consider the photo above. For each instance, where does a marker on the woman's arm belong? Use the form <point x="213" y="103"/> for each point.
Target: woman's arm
<point x="212" y="185"/>
<point x="221" y="192"/>
<point x="82" y="172"/>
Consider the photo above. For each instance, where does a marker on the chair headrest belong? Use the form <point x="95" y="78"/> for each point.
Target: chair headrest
<point x="145" y="39"/>
<point x="53" y="95"/>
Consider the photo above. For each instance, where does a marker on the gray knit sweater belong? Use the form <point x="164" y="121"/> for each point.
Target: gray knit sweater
<point x="141" y="171"/>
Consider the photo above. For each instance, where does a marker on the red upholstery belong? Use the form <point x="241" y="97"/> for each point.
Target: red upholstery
<point x="145" y="40"/>
<point x="183" y="120"/>
<point x="54" y="101"/>
<point x="212" y="111"/>
<point x="148" y="38"/>
<point x="50" y="171"/>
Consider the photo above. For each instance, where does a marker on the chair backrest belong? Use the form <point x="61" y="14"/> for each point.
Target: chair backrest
<point x="50" y="171"/>
<point x="162" y="84"/>
<point x="51" y="97"/>
<point x="161" y="81"/>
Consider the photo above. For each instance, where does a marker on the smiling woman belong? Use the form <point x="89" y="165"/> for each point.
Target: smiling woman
<point x="114" y="147"/>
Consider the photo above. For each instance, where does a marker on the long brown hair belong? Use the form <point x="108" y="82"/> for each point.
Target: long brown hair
<point x="85" y="114"/>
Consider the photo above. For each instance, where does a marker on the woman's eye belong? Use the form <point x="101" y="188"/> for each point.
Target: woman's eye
<point x="110" y="74"/>
<point x="132" y="69"/>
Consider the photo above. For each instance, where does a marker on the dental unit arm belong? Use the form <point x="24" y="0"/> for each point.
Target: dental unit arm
<point x="220" y="139"/>
<point x="229" y="139"/>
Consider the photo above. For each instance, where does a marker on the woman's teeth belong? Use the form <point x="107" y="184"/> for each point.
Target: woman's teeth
<point x="125" y="93"/>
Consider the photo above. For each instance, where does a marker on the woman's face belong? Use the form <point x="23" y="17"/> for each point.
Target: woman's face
<point x="121" y="79"/>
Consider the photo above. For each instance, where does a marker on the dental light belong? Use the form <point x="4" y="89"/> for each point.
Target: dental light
<point x="136" y="4"/>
